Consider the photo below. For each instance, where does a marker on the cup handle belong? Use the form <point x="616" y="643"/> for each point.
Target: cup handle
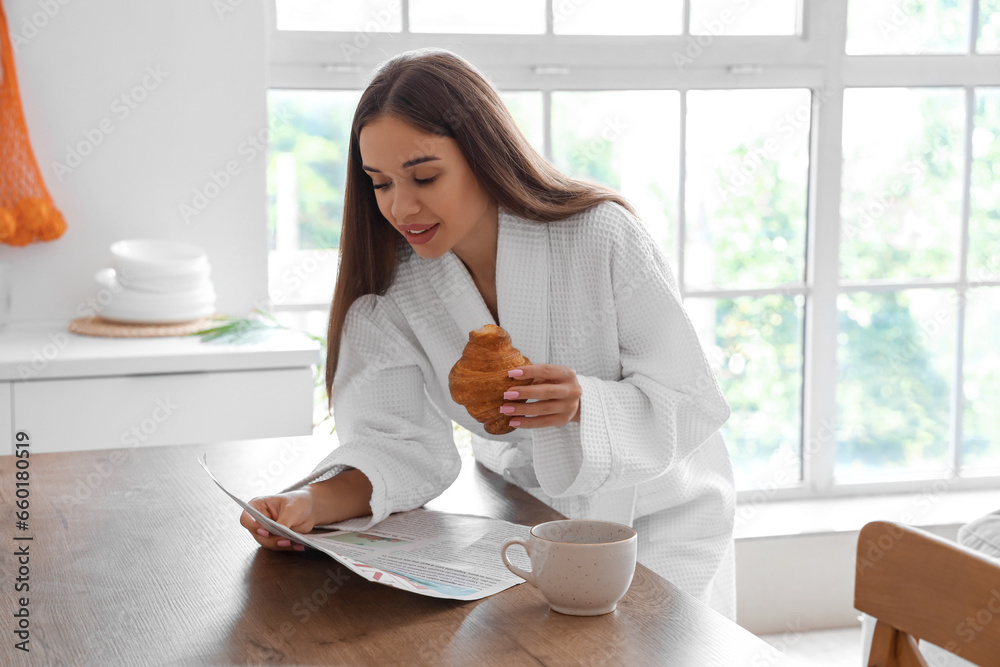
<point x="524" y="574"/>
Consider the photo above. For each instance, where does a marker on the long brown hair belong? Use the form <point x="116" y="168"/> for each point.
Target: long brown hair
<point x="441" y="94"/>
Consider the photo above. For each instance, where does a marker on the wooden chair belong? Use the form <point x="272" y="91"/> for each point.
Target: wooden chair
<point x="919" y="586"/>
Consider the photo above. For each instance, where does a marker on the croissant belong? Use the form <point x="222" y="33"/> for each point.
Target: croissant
<point x="479" y="379"/>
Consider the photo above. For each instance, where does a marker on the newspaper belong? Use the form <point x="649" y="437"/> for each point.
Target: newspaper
<point x="441" y="555"/>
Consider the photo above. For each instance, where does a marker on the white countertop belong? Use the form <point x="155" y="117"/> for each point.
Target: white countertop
<point x="47" y="350"/>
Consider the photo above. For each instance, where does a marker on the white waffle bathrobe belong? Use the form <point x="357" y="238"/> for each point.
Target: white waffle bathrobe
<point x="594" y="293"/>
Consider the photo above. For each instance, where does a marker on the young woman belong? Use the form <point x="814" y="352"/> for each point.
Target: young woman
<point x="452" y="221"/>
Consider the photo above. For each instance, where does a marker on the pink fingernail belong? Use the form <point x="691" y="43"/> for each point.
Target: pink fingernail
<point x="506" y="409"/>
<point x="516" y="373"/>
<point x="515" y="422"/>
<point x="299" y="547"/>
<point x="510" y="395"/>
<point x="263" y="533"/>
<point x="284" y="543"/>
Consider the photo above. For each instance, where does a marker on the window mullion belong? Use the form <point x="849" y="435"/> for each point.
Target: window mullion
<point x="823" y="259"/>
<point x="649" y="54"/>
<point x="958" y="390"/>
<point x="921" y="70"/>
<point x="974" y="27"/>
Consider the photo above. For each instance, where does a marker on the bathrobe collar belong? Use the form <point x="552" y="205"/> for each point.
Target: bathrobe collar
<point x="522" y="269"/>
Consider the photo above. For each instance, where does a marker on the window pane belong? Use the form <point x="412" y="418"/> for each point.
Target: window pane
<point x="363" y="16"/>
<point x="984" y="219"/>
<point x="617" y="17"/>
<point x="901" y="198"/>
<point x="747" y="182"/>
<point x="741" y="17"/>
<point x="754" y="345"/>
<point x="307" y="166"/>
<point x="891" y="26"/>
<point x="301" y="276"/>
<point x="627" y="140"/>
<point x="989" y="27"/>
<point x="526" y="108"/>
<point x="517" y="17"/>
<point x="981" y="425"/>
<point x="896" y="358"/>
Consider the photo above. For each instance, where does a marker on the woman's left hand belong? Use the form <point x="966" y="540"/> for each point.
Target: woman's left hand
<point x="555" y="392"/>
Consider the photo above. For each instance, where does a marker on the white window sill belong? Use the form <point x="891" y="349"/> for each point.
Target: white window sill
<point x="843" y="515"/>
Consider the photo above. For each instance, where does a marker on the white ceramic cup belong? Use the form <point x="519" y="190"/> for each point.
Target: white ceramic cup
<point x="581" y="567"/>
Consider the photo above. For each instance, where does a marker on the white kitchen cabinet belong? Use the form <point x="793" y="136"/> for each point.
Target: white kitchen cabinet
<point x="74" y="392"/>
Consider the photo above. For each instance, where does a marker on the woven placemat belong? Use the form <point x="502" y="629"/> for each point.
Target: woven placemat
<point x="97" y="326"/>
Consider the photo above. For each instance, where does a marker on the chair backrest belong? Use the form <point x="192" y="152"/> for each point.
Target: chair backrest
<point x="920" y="586"/>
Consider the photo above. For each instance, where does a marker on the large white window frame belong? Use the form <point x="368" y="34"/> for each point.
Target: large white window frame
<point x="814" y="59"/>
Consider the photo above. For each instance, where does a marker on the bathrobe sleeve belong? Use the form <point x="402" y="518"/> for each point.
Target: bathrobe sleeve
<point x="667" y="401"/>
<point x="387" y="426"/>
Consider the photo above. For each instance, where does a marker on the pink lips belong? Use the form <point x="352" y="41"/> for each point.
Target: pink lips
<point x="419" y="239"/>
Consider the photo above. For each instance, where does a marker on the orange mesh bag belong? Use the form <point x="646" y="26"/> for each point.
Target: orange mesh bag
<point x="27" y="213"/>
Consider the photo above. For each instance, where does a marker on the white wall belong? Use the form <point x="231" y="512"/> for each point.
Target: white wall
<point x="797" y="583"/>
<point x="75" y="60"/>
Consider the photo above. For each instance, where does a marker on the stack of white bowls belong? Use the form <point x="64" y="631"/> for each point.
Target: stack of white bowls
<point x="154" y="281"/>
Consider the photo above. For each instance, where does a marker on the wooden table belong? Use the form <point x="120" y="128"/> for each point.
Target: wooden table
<point x="137" y="558"/>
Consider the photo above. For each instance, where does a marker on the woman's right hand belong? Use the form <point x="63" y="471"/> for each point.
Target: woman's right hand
<point x="293" y="509"/>
<point x="341" y="497"/>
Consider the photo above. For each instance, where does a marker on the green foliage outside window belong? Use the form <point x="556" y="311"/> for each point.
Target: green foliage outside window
<point x="894" y="385"/>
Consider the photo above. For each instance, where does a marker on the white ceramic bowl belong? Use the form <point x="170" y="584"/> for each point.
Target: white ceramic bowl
<point x="153" y="258"/>
<point x="154" y="287"/>
<point x="129" y="305"/>
<point x="151" y="301"/>
<point x="180" y="282"/>
<point x="161" y="317"/>
<point x="124" y="296"/>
